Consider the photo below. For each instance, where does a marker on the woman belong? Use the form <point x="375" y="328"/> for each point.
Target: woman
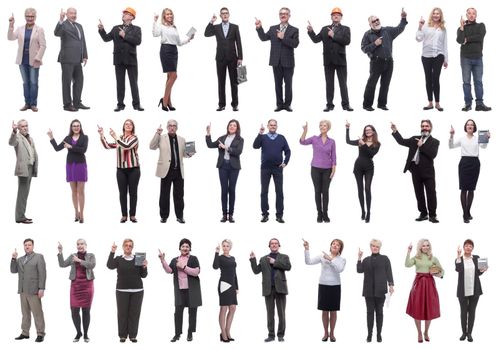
<point x="332" y="265"/>
<point x="363" y="168"/>
<point x="469" y="288"/>
<point x="187" y="288"/>
<point x="168" y="54"/>
<point x="323" y="166"/>
<point x="76" y="142"/>
<point x="423" y="301"/>
<point x="434" y="38"/>
<point x="230" y="147"/>
<point x="469" y="165"/>
<point x="129" y="289"/>
<point x="31" y="47"/>
<point x="128" y="168"/>
<point x="227" y="288"/>
<point x="82" y="285"/>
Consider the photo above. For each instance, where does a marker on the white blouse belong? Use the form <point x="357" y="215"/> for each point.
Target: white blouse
<point x="469" y="146"/>
<point x="434" y="41"/>
<point x="330" y="269"/>
<point x="469" y="276"/>
<point x="169" y="34"/>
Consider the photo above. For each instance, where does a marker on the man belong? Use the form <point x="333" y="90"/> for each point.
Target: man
<point x="229" y="55"/>
<point x="470" y="35"/>
<point x="273" y="145"/>
<point x="126" y="38"/>
<point x="335" y="38"/>
<point x="72" y="54"/>
<point x="170" y="169"/>
<point x="422" y="150"/>
<point x="274" y="286"/>
<point x="377" y="272"/>
<point x="26" y="166"/>
<point x="31" y="287"/>
<point x="283" y="40"/>
<point x="377" y="44"/>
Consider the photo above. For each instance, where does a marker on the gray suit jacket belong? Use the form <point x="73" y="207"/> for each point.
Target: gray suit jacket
<point x="165" y="154"/>
<point x="21" y="146"/>
<point x="88" y="264"/>
<point x="31" y="271"/>
<point x="73" y="45"/>
<point x="281" y="265"/>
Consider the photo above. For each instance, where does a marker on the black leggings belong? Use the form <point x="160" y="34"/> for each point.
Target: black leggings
<point x="75" y="314"/>
<point x="321" y="179"/>
<point x="432" y="67"/>
<point x="361" y="187"/>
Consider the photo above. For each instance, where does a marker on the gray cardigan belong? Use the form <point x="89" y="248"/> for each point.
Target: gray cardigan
<point x="88" y="264"/>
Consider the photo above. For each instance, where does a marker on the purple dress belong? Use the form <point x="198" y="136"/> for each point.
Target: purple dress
<point x="76" y="172"/>
<point x="82" y="289"/>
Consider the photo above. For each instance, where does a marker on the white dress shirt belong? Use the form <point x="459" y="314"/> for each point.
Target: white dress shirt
<point x="169" y="34"/>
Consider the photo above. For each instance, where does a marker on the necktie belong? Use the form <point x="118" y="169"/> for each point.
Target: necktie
<point x="283" y="28"/>
<point x="175" y="156"/>
<point x="76" y="27"/>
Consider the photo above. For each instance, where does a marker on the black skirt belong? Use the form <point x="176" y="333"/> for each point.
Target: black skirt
<point x="169" y="57"/>
<point x="469" y="170"/>
<point x="329" y="298"/>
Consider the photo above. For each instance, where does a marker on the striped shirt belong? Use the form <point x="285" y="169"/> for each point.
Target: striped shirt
<point x="126" y="151"/>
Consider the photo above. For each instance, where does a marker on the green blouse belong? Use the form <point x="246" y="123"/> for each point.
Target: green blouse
<point x="422" y="265"/>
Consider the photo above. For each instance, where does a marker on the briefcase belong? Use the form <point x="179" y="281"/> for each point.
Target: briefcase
<point x="241" y="74"/>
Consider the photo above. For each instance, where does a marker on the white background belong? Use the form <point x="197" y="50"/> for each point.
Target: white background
<point x="195" y="96"/>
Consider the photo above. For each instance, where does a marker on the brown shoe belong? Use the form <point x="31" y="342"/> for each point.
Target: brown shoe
<point x="24" y="108"/>
<point x="34" y="108"/>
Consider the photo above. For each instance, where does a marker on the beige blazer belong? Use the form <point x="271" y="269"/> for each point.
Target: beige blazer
<point x="165" y="154"/>
<point x="21" y="146"/>
<point x="37" y="44"/>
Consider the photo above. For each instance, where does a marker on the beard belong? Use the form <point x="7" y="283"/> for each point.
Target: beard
<point x="425" y="133"/>
<point x="376" y="27"/>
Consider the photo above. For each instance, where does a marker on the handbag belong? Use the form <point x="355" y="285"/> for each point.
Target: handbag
<point x="241" y="74"/>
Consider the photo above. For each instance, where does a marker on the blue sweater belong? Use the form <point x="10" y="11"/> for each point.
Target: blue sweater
<point x="272" y="150"/>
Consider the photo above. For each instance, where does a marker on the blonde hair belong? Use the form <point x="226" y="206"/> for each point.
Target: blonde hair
<point x="442" y="21"/>
<point x="327" y="122"/>
<point x="228" y="241"/>
<point x="163" y="22"/>
<point x="128" y="240"/>
<point x="375" y="242"/>
<point x="419" y="253"/>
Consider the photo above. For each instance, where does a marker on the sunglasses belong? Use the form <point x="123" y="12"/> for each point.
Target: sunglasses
<point x="375" y="20"/>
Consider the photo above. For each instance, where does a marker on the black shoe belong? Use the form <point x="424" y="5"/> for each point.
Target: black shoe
<point x="133" y="219"/>
<point x="280" y="339"/>
<point x="171" y="108"/>
<point x="70" y="108"/>
<point x="40" y="338"/>
<point x="119" y="108"/>
<point x="434" y="220"/>
<point x="231" y="339"/>
<point x="86" y="339"/>
<point x="231" y="219"/>
<point x="470" y="338"/>
<point x="21" y="337"/>
<point x="189" y="336"/>
<point x="224" y="218"/>
<point x="288" y="108"/>
<point x="466" y="108"/>
<point x="265" y="218"/>
<point x="133" y="340"/>
<point x="319" y="217"/>
<point x="77" y="338"/>
<point x="162" y="220"/>
<point x="332" y="339"/>
<point x="440" y="109"/>
<point x="462" y="337"/>
<point x="123" y="220"/>
<point x="470" y="217"/>
<point x="385" y="108"/>
<point x="278" y="109"/>
<point x="466" y="221"/>
<point x="328" y="108"/>
<point x="280" y="220"/>
<point x="181" y="220"/>
<point x="82" y="106"/>
<point x="427" y="108"/>
<point x="363" y="215"/>
<point x="140" y="109"/>
<point x="348" y="108"/>
<point x="235" y="109"/>
<point x="224" y="340"/>
<point x="220" y="108"/>
<point x="326" y="338"/>
<point x="24" y="221"/>
<point x="122" y="340"/>
<point x="422" y="217"/>
<point x="325" y="217"/>
<point x="369" y="109"/>
<point x="368" y="217"/>
<point x="269" y="339"/>
<point x="483" y="108"/>
<point x="378" y="338"/>
<point x="163" y="107"/>
<point x="369" y="338"/>
<point x="175" y="338"/>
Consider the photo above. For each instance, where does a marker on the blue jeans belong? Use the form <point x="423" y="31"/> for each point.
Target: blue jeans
<point x="228" y="179"/>
<point x="473" y="66"/>
<point x="30" y="84"/>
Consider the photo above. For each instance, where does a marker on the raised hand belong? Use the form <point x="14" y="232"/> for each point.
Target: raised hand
<point x="280" y="34"/>
<point x="305" y="244"/>
<point x="14" y="127"/>
<point x="421" y="21"/>
<point x="359" y="254"/>
<point x="305" y="127"/>
<point x="262" y="129"/>
<point x="208" y="129"/>
<point x="403" y="14"/>
<point x="114" y="247"/>
<point x="393" y="127"/>
<point x="217" y="248"/>
<point x="252" y="255"/>
<point x="409" y="248"/>
<point x="100" y="25"/>
<point x="459" y="252"/>
<point x="452" y="131"/>
<point x="62" y="15"/>
<point x="14" y="254"/>
<point x="50" y="134"/>
<point x="59" y="247"/>
<point x="159" y="130"/>
<point x="309" y="27"/>
<point x="156" y="16"/>
<point x="347" y="124"/>
<point x="161" y="255"/>
<point x="213" y="18"/>
<point x="11" y="20"/>
<point x="100" y="130"/>
<point x="330" y="32"/>
<point x="258" y="23"/>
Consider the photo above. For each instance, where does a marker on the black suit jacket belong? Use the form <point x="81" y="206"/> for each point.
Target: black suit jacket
<point x="125" y="49"/>
<point x="235" y="150"/>
<point x="427" y="152"/>
<point x="460" y="278"/>
<point x="334" y="49"/>
<point x="377" y="272"/>
<point x="228" y="48"/>
<point x="281" y="51"/>
<point x="73" y="45"/>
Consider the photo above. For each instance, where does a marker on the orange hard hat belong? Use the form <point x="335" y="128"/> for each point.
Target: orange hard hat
<point x="130" y="11"/>
<point x="336" y="10"/>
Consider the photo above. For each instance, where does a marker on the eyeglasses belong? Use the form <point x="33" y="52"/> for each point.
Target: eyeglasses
<point x="172" y="125"/>
<point x="283" y="14"/>
<point x="375" y="20"/>
<point x="224" y="13"/>
<point x="29" y="16"/>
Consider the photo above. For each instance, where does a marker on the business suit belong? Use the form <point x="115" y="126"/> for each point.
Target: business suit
<point x="282" y="60"/>
<point x="229" y="51"/>
<point x="377" y="272"/>
<point x="32" y="275"/>
<point x="274" y="291"/>
<point x="423" y="172"/>
<point x="125" y="59"/>
<point x="228" y="170"/>
<point x="26" y="168"/>
<point x="171" y="171"/>
<point x="334" y="54"/>
<point x="73" y="52"/>
<point x="468" y="303"/>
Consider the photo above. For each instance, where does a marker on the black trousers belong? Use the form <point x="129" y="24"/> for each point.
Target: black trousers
<point x="265" y="175"/>
<point x="378" y="68"/>
<point x="174" y="177"/>
<point x="272" y="301"/>
<point x="129" y="306"/>
<point x="341" y="72"/>
<point x="128" y="182"/>
<point x="222" y="68"/>
<point x="72" y="73"/>
<point x="133" y="75"/>
<point x="375" y="305"/>
<point x="179" y="314"/>
<point x="422" y="183"/>
<point x="468" y="308"/>
<point x="283" y="74"/>
<point x="321" y="179"/>
<point x="432" y="67"/>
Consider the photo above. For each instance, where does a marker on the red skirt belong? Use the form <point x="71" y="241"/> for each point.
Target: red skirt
<point x="423" y="301"/>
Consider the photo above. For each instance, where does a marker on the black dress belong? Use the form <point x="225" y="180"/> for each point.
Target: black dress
<point x="364" y="162"/>
<point x="227" y="285"/>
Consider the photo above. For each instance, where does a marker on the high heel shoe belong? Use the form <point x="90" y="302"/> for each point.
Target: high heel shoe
<point x="163" y="107"/>
<point x="223" y="340"/>
<point x="368" y="217"/>
<point x="171" y="108"/>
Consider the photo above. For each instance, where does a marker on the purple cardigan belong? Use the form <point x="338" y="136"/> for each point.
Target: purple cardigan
<point x="324" y="156"/>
